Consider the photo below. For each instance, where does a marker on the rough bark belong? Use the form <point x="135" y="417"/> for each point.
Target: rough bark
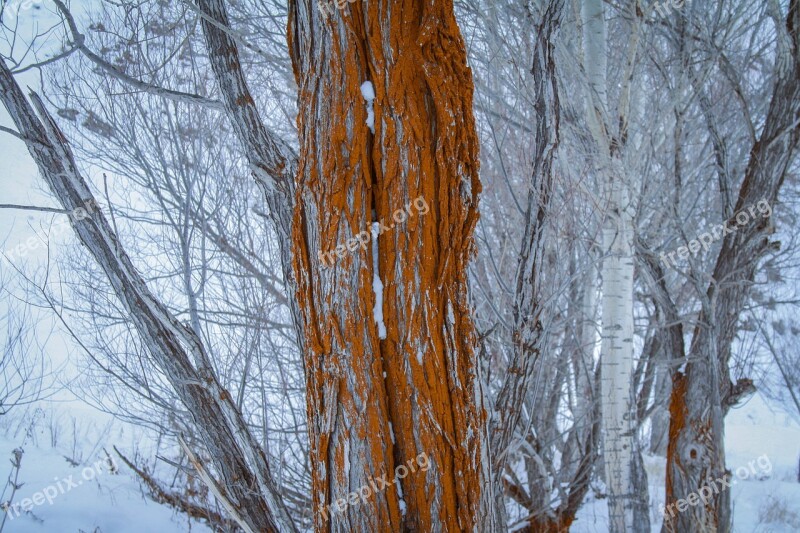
<point x="527" y="333"/>
<point x="703" y="393"/>
<point x="376" y="404"/>
<point x="178" y="351"/>
<point x="527" y="308"/>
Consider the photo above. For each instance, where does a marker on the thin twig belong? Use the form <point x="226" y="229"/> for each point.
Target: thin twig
<point x="79" y="43"/>
<point x="34" y="208"/>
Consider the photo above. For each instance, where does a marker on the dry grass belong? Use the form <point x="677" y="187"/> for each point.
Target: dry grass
<point x="775" y="511"/>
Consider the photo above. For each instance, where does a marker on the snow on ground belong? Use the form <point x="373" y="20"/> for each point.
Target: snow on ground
<point x="755" y="430"/>
<point x="87" y="497"/>
<point x="763" y="445"/>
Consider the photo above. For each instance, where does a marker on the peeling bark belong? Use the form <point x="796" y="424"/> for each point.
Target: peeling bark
<point x="527" y="334"/>
<point x="527" y="308"/>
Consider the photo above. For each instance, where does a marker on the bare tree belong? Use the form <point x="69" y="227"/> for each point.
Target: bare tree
<point x="242" y="266"/>
<point x="703" y="392"/>
<point x="438" y="295"/>
<point x="627" y="509"/>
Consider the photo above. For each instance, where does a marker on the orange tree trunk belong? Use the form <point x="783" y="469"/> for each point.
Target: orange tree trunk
<point x="395" y="423"/>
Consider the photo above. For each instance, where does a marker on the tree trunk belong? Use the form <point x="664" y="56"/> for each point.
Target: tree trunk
<point x="527" y="333"/>
<point x="627" y="495"/>
<point x="619" y="443"/>
<point x="391" y="185"/>
<point x="659" y="419"/>
<point x="703" y="392"/>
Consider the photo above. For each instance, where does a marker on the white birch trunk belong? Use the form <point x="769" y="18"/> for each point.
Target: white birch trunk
<point x="617" y="358"/>
<point x="619" y="443"/>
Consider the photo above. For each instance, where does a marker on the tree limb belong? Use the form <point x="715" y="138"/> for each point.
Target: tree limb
<point x="79" y="43"/>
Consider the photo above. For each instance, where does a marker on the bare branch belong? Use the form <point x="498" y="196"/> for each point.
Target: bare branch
<point x="271" y="159"/>
<point x="34" y="208"/>
<point x="47" y="61"/>
<point x="214" y="486"/>
<point x="79" y="43"/>
<point x="177" y="349"/>
<point x="230" y="31"/>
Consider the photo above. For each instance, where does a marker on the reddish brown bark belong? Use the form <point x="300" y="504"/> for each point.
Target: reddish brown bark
<point x="557" y="525"/>
<point x="424" y="147"/>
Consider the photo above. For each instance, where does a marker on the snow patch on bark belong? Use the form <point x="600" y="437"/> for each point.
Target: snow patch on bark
<point x="401" y="500"/>
<point x="347" y="457"/>
<point x="377" y="284"/>
<point x="368" y="92"/>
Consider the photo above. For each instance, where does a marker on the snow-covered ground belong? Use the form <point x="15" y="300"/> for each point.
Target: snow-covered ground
<point x="89" y="497"/>
<point x="763" y="445"/>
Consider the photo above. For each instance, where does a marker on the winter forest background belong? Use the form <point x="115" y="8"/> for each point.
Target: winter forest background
<point x="394" y="265"/>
